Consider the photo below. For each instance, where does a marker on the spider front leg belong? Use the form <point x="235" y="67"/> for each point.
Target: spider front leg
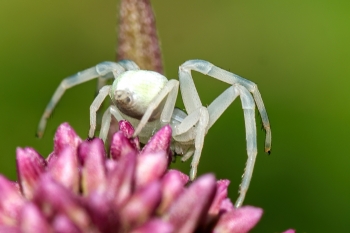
<point x="103" y="70"/>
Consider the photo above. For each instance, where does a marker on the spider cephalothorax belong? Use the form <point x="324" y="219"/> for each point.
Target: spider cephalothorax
<point x="147" y="99"/>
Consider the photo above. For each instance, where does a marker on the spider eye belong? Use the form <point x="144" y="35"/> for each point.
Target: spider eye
<point x="123" y="98"/>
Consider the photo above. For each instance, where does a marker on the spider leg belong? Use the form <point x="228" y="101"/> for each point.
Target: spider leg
<point x="221" y="103"/>
<point x="95" y="106"/>
<point x="185" y="132"/>
<point x="103" y="69"/>
<point x="106" y="120"/>
<point x="240" y="87"/>
<point x="169" y="92"/>
<point x="250" y="128"/>
<point x="207" y="68"/>
<point x="188" y="154"/>
<point x="126" y="64"/>
<point x="217" y="107"/>
<point x="200" y="119"/>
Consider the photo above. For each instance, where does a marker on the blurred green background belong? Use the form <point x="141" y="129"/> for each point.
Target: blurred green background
<point x="298" y="52"/>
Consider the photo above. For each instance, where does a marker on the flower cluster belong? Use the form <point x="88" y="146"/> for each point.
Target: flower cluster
<point x="78" y="188"/>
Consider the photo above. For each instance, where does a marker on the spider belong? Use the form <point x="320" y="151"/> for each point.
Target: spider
<point x="147" y="100"/>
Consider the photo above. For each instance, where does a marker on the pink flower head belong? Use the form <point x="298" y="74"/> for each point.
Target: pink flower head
<point x="81" y="188"/>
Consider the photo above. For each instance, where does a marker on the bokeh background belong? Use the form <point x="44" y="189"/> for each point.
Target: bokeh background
<point x="298" y="52"/>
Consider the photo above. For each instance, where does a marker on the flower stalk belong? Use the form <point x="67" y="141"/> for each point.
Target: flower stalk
<point x="137" y="35"/>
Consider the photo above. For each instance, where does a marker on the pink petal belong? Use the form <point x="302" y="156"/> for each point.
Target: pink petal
<point x="289" y="231"/>
<point x="128" y="131"/>
<point x="121" y="180"/>
<point x="121" y="146"/>
<point x="6" y="220"/>
<point x="65" y="136"/>
<point x="11" y="201"/>
<point x="220" y="196"/>
<point x="65" y="169"/>
<point x="150" y="167"/>
<point x="191" y="207"/>
<point x="10" y="229"/>
<point x="173" y="183"/>
<point x="154" y="226"/>
<point x="93" y="171"/>
<point x="50" y="158"/>
<point x="239" y="220"/>
<point x="110" y="165"/>
<point x="159" y="142"/>
<point x="226" y="205"/>
<point x="62" y="224"/>
<point x="54" y="198"/>
<point x="102" y="213"/>
<point x="32" y="220"/>
<point x="141" y="205"/>
<point x="127" y="128"/>
<point x="30" y="166"/>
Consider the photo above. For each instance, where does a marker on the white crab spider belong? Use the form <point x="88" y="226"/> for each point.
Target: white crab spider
<point x="147" y="100"/>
